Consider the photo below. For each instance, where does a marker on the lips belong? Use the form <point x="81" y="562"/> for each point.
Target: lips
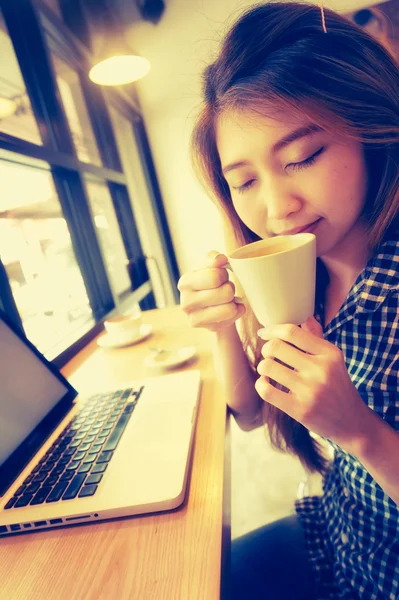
<point x="306" y="229"/>
<point x="310" y="228"/>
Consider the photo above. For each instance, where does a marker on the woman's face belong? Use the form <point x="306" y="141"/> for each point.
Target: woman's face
<point x="286" y="175"/>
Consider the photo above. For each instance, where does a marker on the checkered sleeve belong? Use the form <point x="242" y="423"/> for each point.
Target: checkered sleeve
<point x="389" y="371"/>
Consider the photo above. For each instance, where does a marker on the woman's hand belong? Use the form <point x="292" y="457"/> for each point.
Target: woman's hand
<point x="320" y="393"/>
<point x="207" y="295"/>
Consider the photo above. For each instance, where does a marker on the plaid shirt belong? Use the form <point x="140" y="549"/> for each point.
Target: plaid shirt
<point x="352" y="530"/>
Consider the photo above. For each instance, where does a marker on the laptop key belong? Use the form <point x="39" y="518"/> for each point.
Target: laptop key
<point x="85" y="468"/>
<point x="106" y="428"/>
<point x="69" y="451"/>
<point x="79" y="455"/>
<point x="57" y="492"/>
<point x="46" y="468"/>
<point x="20" y="490"/>
<point x="74" y="487"/>
<point x="73" y="466"/>
<point x="29" y="478"/>
<point x="75" y="443"/>
<point x="117" y="433"/>
<point x="32" y="488"/>
<point x="89" y="438"/>
<point x="51" y="480"/>
<point x="96" y="448"/>
<point x="67" y="475"/>
<point x="11" y="502"/>
<point x="58" y="470"/>
<point x="93" y="479"/>
<point x="90" y="458"/>
<point x="99" y="468"/>
<point x="104" y="457"/>
<point x="88" y="490"/>
<point x="23" y="500"/>
<point x="41" y="495"/>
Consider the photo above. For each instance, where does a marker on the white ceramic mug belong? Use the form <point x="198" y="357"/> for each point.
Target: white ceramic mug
<point x="126" y="326"/>
<point x="278" y="277"/>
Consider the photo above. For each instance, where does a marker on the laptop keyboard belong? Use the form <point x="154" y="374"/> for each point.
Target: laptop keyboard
<point x="75" y="463"/>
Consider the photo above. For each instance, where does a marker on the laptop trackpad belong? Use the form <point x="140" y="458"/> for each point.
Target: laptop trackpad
<point x="151" y="458"/>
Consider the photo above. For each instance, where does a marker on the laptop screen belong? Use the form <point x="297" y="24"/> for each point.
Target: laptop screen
<point x="30" y="389"/>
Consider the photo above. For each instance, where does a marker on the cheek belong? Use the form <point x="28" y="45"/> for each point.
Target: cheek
<point x="249" y="215"/>
<point x="344" y="185"/>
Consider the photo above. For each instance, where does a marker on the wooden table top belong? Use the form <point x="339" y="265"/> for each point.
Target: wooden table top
<point x="174" y="555"/>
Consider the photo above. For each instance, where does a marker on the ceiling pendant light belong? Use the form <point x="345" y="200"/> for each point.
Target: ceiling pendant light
<point x="113" y="62"/>
<point x="119" y="69"/>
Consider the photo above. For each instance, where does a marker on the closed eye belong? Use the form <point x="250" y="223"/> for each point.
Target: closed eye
<point x="245" y="186"/>
<point x="306" y="163"/>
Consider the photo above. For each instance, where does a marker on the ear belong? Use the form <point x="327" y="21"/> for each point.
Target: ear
<point x="375" y="22"/>
<point x="312" y="326"/>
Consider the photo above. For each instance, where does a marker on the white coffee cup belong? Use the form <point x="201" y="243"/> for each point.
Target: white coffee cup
<point x="125" y="326"/>
<point x="278" y="277"/>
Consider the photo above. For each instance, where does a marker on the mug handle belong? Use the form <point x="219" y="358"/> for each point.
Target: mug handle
<point x="236" y="299"/>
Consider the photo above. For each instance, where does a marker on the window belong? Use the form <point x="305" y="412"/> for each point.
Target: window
<point x="76" y="112"/>
<point x="68" y="239"/>
<point x="109" y="235"/>
<point x="37" y="253"/>
<point x="16" y="116"/>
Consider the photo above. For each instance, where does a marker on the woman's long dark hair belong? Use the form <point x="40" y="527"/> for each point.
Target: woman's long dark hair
<point x="279" y="54"/>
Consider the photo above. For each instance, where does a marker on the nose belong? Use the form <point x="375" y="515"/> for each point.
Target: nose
<point x="280" y="202"/>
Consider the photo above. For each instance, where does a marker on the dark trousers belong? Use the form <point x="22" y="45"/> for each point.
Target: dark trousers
<point x="271" y="563"/>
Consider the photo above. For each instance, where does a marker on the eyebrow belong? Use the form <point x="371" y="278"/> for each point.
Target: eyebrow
<point x="285" y="141"/>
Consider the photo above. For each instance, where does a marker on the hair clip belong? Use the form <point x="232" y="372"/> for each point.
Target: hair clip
<point x="323" y="19"/>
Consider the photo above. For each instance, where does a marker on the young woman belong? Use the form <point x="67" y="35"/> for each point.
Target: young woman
<point x="300" y="132"/>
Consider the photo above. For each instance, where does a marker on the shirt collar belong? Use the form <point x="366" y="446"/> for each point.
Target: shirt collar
<point x="379" y="278"/>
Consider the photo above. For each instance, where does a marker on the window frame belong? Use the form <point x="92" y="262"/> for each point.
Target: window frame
<point x="34" y="32"/>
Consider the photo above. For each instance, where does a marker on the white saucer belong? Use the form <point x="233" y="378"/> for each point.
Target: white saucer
<point x="170" y="358"/>
<point x="106" y="341"/>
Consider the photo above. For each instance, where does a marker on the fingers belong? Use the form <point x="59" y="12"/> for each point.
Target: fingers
<point x="216" y="259"/>
<point x="211" y="276"/>
<point x="214" y="316"/>
<point x="271" y="394"/>
<point x="287" y="354"/>
<point x="276" y="371"/>
<point x="207" y="295"/>
<point x="296" y="336"/>
<point x="204" y="298"/>
<point x="313" y="326"/>
<point x="203" y="279"/>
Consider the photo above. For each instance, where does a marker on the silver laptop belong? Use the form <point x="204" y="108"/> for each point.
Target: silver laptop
<point x="125" y="452"/>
